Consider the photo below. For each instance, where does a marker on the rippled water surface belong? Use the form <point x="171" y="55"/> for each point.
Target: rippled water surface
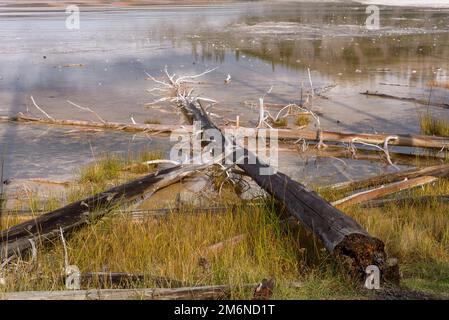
<point x="260" y="45"/>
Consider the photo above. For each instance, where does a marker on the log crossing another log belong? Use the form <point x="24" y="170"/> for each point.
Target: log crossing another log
<point x="405" y="140"/>
<point x="351" y="245"/>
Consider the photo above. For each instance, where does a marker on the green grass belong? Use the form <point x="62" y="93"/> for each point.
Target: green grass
<point x="302" y="120"/>
<point x="416" y="234"/>
<point x="433" y="126"/>
<point x="283" y="122"/>
<point x="105" y="169"/>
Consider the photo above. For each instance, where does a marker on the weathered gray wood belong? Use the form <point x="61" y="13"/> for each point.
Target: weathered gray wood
<point x="192" y="293"/>
<point x="406" y="140"/>
<point x="381" y="203"/>
<point x="352" y="246"/>
<point x="435" y="171"/>
<point x="20" y="117"/>
<point x="383" y="191"/>
<point x="15" y="240"/>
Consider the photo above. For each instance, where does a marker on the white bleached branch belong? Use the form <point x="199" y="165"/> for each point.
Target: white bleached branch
<point x="87" y="109"/>
<point x="41" y="110"/>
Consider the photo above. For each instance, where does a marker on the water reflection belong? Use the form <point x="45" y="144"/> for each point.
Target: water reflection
<point x="115" y="47"/>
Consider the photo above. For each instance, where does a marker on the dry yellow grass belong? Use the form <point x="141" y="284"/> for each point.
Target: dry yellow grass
<point x="439" y="84"/>
<point x="417" y="234"/>
<point x="433" y="126"/>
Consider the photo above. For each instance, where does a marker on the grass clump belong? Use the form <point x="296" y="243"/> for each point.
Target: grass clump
<point x="302" y="120"/>
<point x="152" y="121"/>
<point x="107" y="168"/>
<point x="432" y="126"/>
<point x="279" y="123"/>
<point x="137" y="162"/>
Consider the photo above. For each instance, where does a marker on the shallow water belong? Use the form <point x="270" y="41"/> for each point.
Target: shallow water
<point x="260" y="45"/>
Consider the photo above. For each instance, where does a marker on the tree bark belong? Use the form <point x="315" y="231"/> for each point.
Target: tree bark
<point x="351" y="245"/>
<point x="406" y="140"/>
<point x="193" y="293"/>
<point x="435" y="171"/>
<point x="15" y="240"/>
<point x="383" y="191"/>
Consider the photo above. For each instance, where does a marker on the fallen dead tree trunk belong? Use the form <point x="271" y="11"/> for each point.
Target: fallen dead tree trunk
<point x="381" y="203"/>
<point x="162" y="128"/>
<point x="406" y="140"/>
<point x="351" y="245"/>
<point x="17" y="239"/>
<point x="191" y="293"/>
<point x="383" y="191"/>
<point x="336" y="151"/>
<point x="435" y="171"/>
<point x="409" y="99"/>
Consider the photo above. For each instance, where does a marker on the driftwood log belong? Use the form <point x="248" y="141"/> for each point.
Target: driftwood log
<point x="402" y="201"/>
<point x="435" y="171"/>
<point x="350" y="244"/>
<point x="383" y="191"/>
<point x="22" y="118"/>
<point x="15" y="240"/>
<point x="405" y="140"/>
<point x="192" y="293"/>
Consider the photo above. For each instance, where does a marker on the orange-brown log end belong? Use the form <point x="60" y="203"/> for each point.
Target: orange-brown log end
<point x="358" y="251"/>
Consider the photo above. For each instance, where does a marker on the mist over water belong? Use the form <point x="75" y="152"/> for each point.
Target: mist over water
<point x="103" y="66"/>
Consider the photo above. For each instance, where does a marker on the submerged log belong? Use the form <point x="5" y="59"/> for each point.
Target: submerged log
<point x="405" y="140"/>
<point x="383" y="191"/>
<point x="351" y="245"/>
<point x="15" y="240"/>
<point x="162" y="128"/>
<point x="425" y="102"/>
